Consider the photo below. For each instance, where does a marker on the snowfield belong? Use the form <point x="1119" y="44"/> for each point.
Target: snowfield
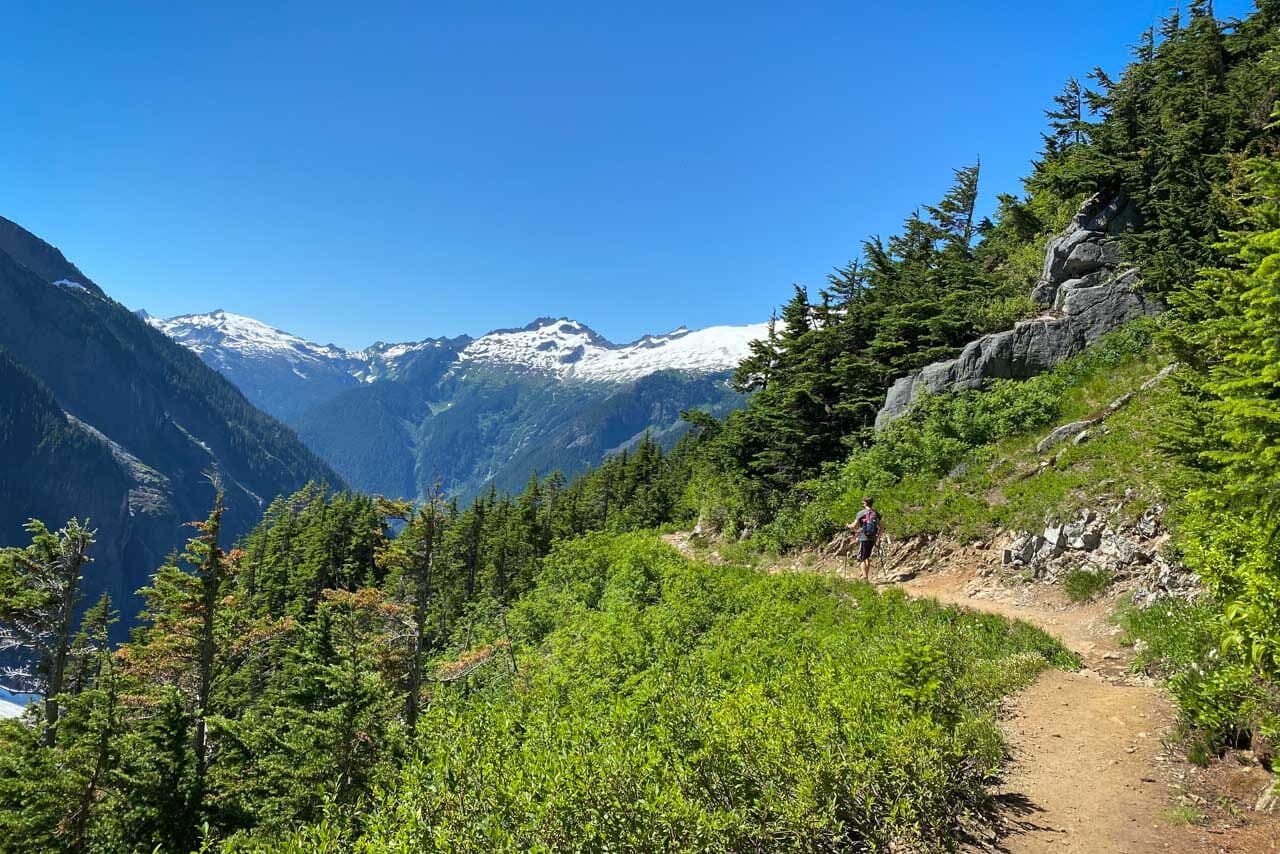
<point x="572" y="351"/>
<point x="244" y="335"/>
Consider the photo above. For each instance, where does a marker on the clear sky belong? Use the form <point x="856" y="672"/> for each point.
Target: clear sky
<point x="352" y="173"/>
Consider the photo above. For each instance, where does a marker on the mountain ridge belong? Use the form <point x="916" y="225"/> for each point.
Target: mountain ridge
<point x="394" y="418"/>
<point x="218" y="331"/>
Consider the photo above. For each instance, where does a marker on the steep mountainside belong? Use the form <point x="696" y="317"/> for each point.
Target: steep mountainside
<point x="395" y="418"/>
<point x="103" y="416"/>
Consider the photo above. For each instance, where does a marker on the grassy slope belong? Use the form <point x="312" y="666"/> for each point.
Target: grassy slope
<point x="964" y="468"/>
<point x="990" y="489"/>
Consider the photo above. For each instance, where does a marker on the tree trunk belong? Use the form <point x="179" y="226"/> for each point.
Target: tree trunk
<point x="77" y="546"/>
<point x="423" y="597"/>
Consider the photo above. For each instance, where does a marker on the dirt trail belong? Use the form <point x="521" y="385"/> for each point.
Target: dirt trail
<point x="1090" y="771"/>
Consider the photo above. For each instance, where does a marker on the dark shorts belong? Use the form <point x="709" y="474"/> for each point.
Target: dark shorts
<point x="864" y="549"/>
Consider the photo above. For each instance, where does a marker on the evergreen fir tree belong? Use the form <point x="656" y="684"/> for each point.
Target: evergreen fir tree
<point x="39" y="590"/>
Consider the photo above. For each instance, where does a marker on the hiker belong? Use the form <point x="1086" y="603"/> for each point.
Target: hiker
<point x="867" y="526"/>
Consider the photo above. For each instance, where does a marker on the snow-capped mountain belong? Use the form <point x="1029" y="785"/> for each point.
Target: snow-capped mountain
<point x="571" y="351"/>
<point x="286" y="374"/>
<point x="218" y="334"/>
<point x="391" y="417"/>
<point x="280" y="372"/>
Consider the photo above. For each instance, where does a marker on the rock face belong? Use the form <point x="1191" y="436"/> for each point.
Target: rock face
<point x="1086" y="293"/>
<point x="103" y="417"/>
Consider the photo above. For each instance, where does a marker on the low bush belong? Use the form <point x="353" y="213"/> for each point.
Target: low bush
<point x="666" y="704"/>
<point x="1223" y="700"/>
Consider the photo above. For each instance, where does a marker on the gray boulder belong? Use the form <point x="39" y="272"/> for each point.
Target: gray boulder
<point x="1021" y="551"/>
<point x="1116" y="405"/>
<point x="1089" y="292"/>
<point x="1148" y="525"/>
<point x="1269" y="800"/>
<point x="1164" y="374"/>
<point x="1119" y="551"/>
<point x="1088" y="280"/>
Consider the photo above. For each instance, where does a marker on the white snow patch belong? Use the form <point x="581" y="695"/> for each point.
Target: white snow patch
<point x="70" y="285"/>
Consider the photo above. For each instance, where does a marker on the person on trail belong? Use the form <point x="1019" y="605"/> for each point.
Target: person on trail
<point x="867" y="526"/>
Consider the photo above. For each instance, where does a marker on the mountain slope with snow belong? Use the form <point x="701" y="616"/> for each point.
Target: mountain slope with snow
<point x="280" y="372"/>
<point x="219" y="332"/>
<point x="570" y="350"/>
<point x="392" y="418"/>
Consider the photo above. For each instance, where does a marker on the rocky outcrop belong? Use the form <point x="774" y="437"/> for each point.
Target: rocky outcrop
<point x="1086" y="292"/>
<point x="1106" y="542"/>
<point x="1074" y="430"/>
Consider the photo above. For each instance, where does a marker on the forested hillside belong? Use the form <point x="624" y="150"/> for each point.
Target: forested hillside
<point x="110" y="420"/>
<point x="538" y="671"/>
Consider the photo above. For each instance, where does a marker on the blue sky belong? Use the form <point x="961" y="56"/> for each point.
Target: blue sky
<point x="427" y="169"/>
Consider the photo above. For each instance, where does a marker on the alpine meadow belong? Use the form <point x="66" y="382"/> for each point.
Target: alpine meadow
<point x="534" y="590"/>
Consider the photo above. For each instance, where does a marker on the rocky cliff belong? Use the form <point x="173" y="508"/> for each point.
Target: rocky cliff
<point x="1086" y="291"/>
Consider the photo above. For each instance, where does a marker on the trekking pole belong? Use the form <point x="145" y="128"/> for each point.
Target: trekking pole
<point x="880" y="553"/>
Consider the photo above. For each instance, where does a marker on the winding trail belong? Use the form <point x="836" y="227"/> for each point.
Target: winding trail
<point x="1090" y="771"/>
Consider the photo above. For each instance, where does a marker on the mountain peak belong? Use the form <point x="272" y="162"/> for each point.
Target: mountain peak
<point x="221" y="329"/>
<point x="570" y="350"/>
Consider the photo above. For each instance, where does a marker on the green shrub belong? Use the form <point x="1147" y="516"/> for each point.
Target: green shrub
<point x="1222" y="699"/>
<point x="666" y="704"/>
<point x="1081" y="585"/>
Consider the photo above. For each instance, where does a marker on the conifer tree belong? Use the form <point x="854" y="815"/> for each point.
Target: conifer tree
<point x="953" y="216"/>
<point x="411" y="558"/>
<point x="1067" y="118"/>
<point x="39" y="590"/>
<point x="205" y="554"/>
<point x="97" y="717"/>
